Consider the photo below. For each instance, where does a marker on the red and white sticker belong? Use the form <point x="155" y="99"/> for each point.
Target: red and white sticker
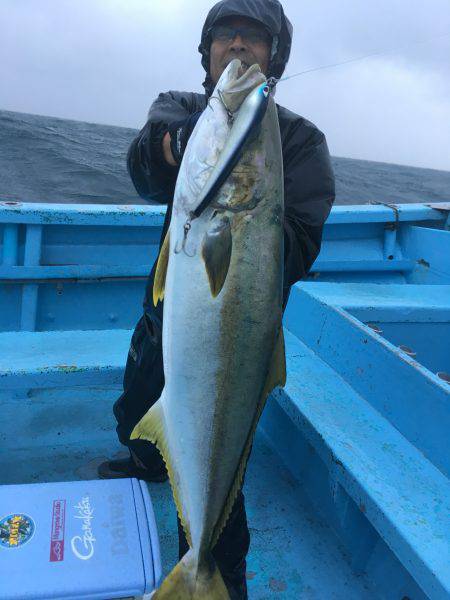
<point x="57" y="537"/>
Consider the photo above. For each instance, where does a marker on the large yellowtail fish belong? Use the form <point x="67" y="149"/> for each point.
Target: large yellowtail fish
<point x="220" y="273"/>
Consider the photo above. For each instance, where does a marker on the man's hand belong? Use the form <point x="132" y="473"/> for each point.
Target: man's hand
<point x="177" y="137"/>
<point x="168" y="156"/>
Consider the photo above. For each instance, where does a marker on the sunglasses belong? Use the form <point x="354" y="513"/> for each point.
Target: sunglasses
<point x="252" y="35"/>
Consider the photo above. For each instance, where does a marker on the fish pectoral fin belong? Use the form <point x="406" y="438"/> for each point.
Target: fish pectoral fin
<point x="216" y="253"/>
<point x="161" y="270"/>
<point x="152" y="427"/>
<point x="276" y="376"/>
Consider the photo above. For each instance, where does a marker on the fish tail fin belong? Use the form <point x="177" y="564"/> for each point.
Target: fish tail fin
<point x="188" y="581"/>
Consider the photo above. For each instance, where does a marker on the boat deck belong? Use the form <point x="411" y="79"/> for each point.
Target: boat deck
<point x="293" y="554"/>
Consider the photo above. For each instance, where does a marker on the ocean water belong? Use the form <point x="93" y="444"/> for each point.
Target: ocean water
<point x="44" y="159"/>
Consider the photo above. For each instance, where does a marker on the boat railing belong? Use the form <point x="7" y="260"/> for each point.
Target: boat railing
<point x="47" y="249"/>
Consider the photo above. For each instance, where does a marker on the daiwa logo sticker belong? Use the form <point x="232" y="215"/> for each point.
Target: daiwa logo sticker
<point x="83" y="545"/>
<point x="16" y="530"/>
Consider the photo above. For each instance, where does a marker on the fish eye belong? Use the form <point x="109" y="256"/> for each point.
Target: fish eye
<point x="266" y="91"/>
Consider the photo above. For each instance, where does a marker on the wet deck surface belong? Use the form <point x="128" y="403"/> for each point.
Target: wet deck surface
<point x="65" y="434"/>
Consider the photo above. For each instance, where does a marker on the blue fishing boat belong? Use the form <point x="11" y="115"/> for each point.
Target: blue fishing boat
<point x="347" y="488"/>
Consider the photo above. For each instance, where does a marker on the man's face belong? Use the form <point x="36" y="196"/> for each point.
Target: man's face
<point x="251" y="45"/>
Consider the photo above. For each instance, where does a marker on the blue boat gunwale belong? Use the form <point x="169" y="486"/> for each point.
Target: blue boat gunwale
<point x="153" y="215"/>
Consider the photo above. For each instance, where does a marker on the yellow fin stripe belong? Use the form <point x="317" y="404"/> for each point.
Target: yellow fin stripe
<point x="276" y="376"/>
<point x="161" y="270"/>
<point x="151" y="428"/>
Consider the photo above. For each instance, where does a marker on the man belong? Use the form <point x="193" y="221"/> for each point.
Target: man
<point x="255" y="31"/>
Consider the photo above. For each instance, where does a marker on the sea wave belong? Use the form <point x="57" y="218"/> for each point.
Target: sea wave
<point x="44" y="159"/>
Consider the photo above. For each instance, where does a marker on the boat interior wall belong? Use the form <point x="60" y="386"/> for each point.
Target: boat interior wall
<point x="426" y="342"/>
<point x="430" y="250"/>
<point x="414" y="318"/>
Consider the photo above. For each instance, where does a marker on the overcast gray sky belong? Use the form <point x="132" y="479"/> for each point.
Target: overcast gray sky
<point x="106" y="60"/>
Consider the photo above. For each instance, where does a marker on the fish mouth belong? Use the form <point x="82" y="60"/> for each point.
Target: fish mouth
<point x="237" y="81"/>
<point x="241" y="73"/>
<point x="243" y="68"/>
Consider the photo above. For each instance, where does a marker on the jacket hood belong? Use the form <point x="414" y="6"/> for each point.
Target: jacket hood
<point x="269" y="13"/>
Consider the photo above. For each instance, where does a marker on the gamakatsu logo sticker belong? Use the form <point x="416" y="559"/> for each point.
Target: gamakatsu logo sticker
<point x="16" y="530"/>
<point x="83" y="545"/>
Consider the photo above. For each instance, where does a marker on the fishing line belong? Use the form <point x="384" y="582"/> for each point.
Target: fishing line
<point x="379" y="53"/>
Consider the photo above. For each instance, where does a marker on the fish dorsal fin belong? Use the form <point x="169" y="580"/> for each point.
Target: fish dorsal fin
<point x="161" y="270"/>
<point x="275" y="377"/>
<point x="152" y="428"/>
<point x="216" y="253"/>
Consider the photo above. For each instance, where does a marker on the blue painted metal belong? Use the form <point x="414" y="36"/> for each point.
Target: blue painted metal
<point x="430" y="249"/>
<point x="390" y="242"/>
<point x="352" y="454"/>
<point x="361" y="266"/>
<point x="444" y="208"/>
<point x="428" y="341"/>
<point x="427" y="303"/>
<point x="62" y="358"/>
<point x="30" y="291"/>
<point x="125" y="215"/>
<point x="10" y="245"/>
<point x="82" y="214"/>
<point x="74" y="272"/>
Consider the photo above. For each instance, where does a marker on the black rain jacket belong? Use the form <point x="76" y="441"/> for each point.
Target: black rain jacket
<point x="309" y="190"/>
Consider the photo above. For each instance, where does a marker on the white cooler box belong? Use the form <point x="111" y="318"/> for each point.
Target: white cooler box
<point x="78" y="540"/>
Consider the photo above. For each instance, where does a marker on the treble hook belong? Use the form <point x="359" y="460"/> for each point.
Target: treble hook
<point x="230" y="115"/>
<point x="187" y="226"/>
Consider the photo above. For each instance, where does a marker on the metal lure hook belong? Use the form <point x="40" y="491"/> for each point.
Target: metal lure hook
<point x="182" y="248"/>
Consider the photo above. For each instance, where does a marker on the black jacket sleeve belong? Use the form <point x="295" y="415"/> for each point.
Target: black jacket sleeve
<point x="152" y="177"/>
<point x="309" y="193"/>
